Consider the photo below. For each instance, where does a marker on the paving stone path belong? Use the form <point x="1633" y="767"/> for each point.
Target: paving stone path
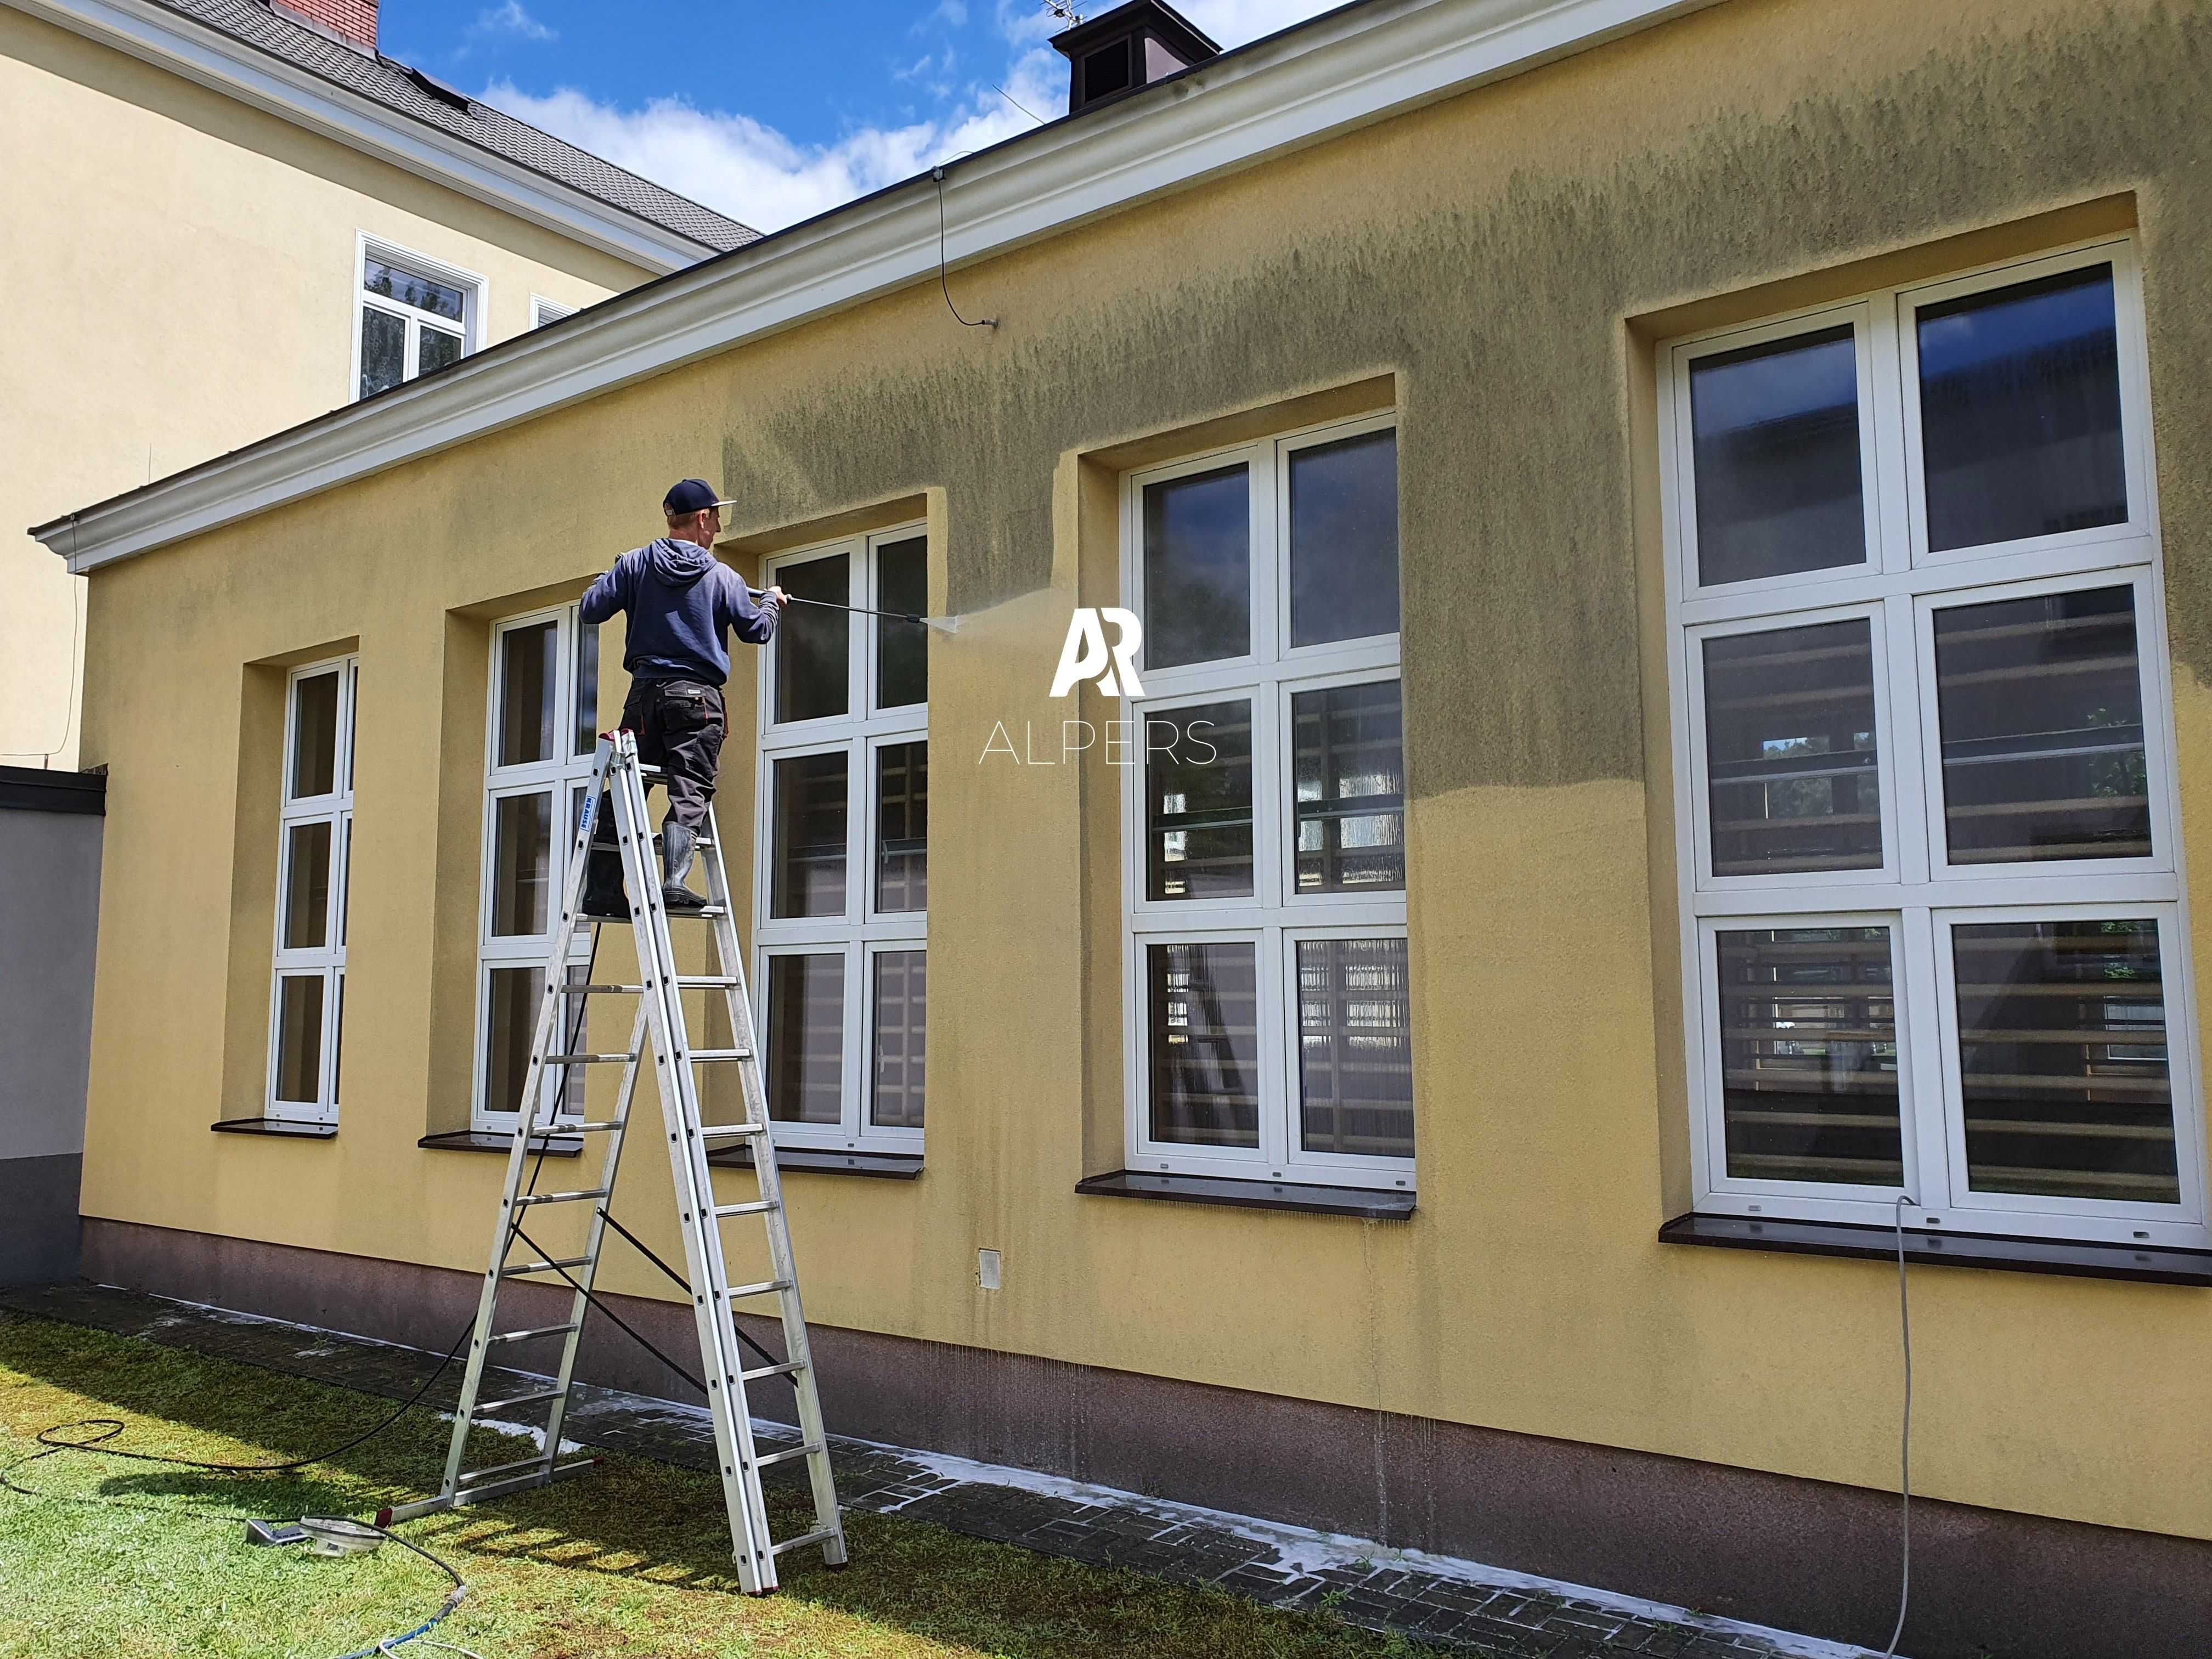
<point x="1435" y="1600"/>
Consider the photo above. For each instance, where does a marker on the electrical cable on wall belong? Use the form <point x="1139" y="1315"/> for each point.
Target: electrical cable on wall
<point x="938" y="174"/>
<point x="1905" y="1438"/>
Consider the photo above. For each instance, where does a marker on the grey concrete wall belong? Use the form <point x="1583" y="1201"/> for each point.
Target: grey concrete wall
<point x="49" y="927"/>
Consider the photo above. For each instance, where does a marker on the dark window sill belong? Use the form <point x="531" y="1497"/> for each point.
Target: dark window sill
<point x="479" y="1140"/>
<point x="282" y="1128"/>
<point x="1360" y="1201"/>
<point x="2150" y="1264"/>
<point x="884" y="1166"/>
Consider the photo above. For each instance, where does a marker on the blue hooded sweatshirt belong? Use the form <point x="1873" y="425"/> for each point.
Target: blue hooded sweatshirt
<point x="680" y="597"/>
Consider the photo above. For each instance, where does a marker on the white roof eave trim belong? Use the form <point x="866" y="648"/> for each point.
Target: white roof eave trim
<point x="1347" y="68"/>
<point x="199" y="53"/>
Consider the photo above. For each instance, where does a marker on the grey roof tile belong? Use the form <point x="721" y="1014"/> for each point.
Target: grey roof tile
<point x="409" y="92"/>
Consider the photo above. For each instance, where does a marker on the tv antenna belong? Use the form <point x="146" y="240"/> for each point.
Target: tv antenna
<point x="1063" y="9"/>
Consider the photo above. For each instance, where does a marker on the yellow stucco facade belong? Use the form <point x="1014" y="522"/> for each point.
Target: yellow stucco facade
<point x="1497" y="270"/>
<point x="182" y="268"/>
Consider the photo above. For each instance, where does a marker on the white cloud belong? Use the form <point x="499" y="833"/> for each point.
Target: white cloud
<point x="753" y="172"/>
<point x="1233" y="23"/>
<point x="511" y="19"/>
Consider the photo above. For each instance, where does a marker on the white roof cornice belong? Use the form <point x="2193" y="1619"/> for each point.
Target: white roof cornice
<point x="186" y="47"/>
<point x="1349" y="68"/>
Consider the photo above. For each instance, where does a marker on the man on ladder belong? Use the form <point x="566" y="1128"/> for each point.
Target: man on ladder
<point x="680" y="600"/>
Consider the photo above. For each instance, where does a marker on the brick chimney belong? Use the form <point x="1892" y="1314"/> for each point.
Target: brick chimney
<point x="352" y="21"/>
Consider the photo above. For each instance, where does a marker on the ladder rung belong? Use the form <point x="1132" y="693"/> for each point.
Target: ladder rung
<point x="542" y="1330"/>
<point x="807" y="1449"/>
<point x="706" y="981"/>
<point x="706" y="1056"/>
<point x="559" y="1198"/>
<point x="738" y="1292"/>
<point x="485" y="1408"/>
<point x="569" y="1130"/>
<point x="751" y="1206"/>
<point x="606" y="990"/>
<point x="786" y="1368"/>
<point x="733" y="1129"/>
<point x="470" y="1476"/>
<point x="800" y="1543"/>
<point x="706" y="914"/>
<point x="522" y="1267"/>
<point x="589" y="1060"/>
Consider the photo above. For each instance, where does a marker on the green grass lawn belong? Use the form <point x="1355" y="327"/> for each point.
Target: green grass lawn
<point x="116" y="1559"/>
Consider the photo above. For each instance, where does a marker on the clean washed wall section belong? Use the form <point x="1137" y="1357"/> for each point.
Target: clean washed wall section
<point x="50" y="834"/>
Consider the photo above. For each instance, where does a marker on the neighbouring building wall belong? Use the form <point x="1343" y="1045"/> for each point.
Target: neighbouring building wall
<point x="1476" y="1377"/>
<point x="50" y="826"/>
<point x="181" y="272"/>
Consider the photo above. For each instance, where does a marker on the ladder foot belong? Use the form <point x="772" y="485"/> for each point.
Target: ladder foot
<point x="660" y="1045"/>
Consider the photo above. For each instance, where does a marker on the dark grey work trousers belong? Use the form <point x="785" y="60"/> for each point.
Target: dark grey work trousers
<point x="678" y="724"/>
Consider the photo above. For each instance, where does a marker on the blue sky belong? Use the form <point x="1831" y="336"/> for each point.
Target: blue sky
<point x="771" y="113"/>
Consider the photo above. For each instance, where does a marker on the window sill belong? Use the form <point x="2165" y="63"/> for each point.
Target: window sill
<point x="480" y="1140"/>
<point x="283" y="1128"/>
<point x="884" y="1166"/>
<point x="2147" y="1264"/>
<point x="1358" y="1201"/>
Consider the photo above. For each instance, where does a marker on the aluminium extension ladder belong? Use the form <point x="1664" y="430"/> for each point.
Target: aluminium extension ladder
<point x="617" y="774"/>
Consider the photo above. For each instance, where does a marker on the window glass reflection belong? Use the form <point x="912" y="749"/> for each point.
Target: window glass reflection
<point x="1808" y="1055"/>
<point x="812" y="646"/>
<point x="2063" y="1059"/>
<point x="1205" y="1044"/>
<point x="1198" y="569"/>
<point x="1775" y="448"/>
<point x="2020" y="411"/>
<point x="1791" y="750"/>
<point x="2040" y="706"/>
<point x="1344" y="539"/>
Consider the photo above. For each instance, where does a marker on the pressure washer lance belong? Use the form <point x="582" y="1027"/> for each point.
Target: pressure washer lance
<point x="942" y="625"/>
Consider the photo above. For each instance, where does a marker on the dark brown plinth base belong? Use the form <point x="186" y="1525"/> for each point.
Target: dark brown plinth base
<point x="1798" y="1554"/>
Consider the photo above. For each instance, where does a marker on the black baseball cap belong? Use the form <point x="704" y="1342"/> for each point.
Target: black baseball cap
<point x="691" y="495"/>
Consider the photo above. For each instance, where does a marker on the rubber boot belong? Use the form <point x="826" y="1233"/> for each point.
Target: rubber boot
<point x="603" y="886"/>
<point x="675" y="860"/>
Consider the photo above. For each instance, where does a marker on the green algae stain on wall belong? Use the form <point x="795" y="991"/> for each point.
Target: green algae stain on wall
<point x="1502" y="307"/>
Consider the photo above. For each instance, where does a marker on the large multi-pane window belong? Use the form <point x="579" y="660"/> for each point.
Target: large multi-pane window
<point x="313" y="855"/>
<point x="411" y="315"/>
<point x="543" y="721"/>
<point x="1933" y="936"/>
<point x="1270" y="1036"/>
<point x="841" y="897"/>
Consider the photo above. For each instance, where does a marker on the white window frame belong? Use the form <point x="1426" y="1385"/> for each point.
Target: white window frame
<point x="326" y="961"/>
<point x="1275" y="917"/>
<point x="1918" y="895"/>
<point x="862" y="932"/>
<point x="475" y="296"/>
<point x="561" y="774"/>
<point x="543" y="311"/>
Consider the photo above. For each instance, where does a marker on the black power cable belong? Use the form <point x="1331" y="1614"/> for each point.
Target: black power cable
<point x="938" y="174"/>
